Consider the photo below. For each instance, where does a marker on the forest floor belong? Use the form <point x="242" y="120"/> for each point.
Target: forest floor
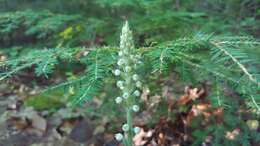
<point x="22" y="125"/>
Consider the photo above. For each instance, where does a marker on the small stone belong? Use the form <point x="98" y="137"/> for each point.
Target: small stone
<point x="82" y="132"/>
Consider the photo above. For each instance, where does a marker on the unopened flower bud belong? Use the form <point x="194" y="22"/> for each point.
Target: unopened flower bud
<point x="137" y="93"/>
<point x="120" y="53"/>
<point x="119" y="84"/>
<point x="119" y="136"/>
<point x="138" y="56"/>
<point x="125" y="127"/>
<point x="127" y="68"/>
<point x="137" y="130"/>
<point x="136" y="108"/>
<point x="119" y="100"/>
<point x="135" y="77"/>
<point x="125" y="51"/>
<point x="132" y="57"/>
<point x="117" y="72"/>
<point x="125" y="95"/>
<point x="139" y="62"/>
<point x="138" y="84"/>
<point x="120" y="62"/>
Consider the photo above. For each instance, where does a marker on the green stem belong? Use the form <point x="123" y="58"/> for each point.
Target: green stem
<point x="130" y="124"/>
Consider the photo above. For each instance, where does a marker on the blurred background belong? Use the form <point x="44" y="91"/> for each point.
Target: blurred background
<point x="38" y="23"/>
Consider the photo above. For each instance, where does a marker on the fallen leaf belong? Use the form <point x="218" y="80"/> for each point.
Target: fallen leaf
<point x="141" y="138"/>
<point x="190" y="95"/>
<point x="231" y="135"/>
<point x="81" y="132"/>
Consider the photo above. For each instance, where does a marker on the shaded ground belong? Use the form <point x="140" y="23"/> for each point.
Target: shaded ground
<point x="21" y="125"/>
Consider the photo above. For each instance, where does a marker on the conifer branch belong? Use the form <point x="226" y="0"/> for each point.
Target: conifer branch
<point x="235" y="60"/>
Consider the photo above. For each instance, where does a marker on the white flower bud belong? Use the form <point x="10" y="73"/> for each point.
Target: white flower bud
<point x="137" y="93"/>
<point x="139" y="62"/>
<point x="126" y="39"/>
<point x="132" y="57"/>
<point x="138" y="56"/>
<point x="120" y="62"/>
<point x="127" y="68"/>
<point x="120" y="53"/>
<point x="117" y="72"/>
<point x="122" y="88"/>
<point x="135" y="77"/>
<point x="119" y="136"/>
<point x="119" y="100"/>
<point x="119" y="84"/>
<point x="125" y="95"/>
<point x="125" y="51"/>
<point x="138" y="84"/>
<point x="125" y="127"/>
<point x="137" y="130"/>
<point x="136" y="108"/>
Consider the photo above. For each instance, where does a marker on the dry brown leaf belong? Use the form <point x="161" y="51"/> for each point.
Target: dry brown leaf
<point x="19" y="123"/>
<point x="141" y="138"/>
<point x="145" y="93"/>
<point x="231" y="135"/>
<point x="190" y="95"/>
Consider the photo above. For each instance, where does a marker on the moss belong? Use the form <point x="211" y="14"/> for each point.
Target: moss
<point x="50" y="101"/>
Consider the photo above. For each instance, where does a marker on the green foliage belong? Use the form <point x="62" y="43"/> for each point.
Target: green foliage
<point x="50" y="101"/>
<point x="44" y="60"/>
<point x="99" y="64"/>
<point x="225" y="62"/>
<point x="19" y="25"/>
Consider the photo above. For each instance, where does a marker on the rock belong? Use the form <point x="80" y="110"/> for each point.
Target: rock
<point x="82" y="132"/>
<point x="66" y="127"/>
<point x="19" y="139"/>
<point x="99" y="129"/>
<point x="112" y="143"/>
<point x="38" y="122"/>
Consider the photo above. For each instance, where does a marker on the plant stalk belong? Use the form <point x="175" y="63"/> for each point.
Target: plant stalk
<point x="130" y="124"/>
